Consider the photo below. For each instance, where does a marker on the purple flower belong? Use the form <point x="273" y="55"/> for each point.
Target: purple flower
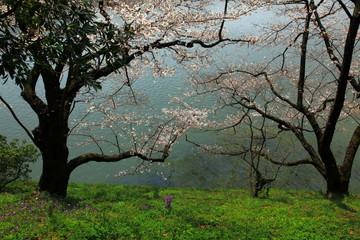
<point x="168" y="201"/>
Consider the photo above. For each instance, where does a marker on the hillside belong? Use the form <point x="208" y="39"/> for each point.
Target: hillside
<point x="101" y="211"/>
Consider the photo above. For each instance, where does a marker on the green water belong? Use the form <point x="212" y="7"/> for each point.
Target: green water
<point x="188" y="167"/>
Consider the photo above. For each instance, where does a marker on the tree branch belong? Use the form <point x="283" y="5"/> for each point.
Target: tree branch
<point x="223" y="21"/>
<point x="331" y="54"/>
<point x="343" y="79"/>
<point x="127" y="58"/>
<point x="342" y="4"/>
<point x="351" y="151"/>
<point x="299" y="135"/>
<point x="94" y="157"/>
<point x="304" y="43"/>
<point x="11" y="11"/>
<point x="17" y="119"/>
<point x="288" y="164"/>
<point x="207" y="149"/>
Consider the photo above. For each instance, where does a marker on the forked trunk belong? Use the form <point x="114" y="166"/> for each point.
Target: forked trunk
<point x="336" y="177"/>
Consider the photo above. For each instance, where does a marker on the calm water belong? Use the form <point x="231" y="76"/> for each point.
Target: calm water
<point x="188" y="167"/>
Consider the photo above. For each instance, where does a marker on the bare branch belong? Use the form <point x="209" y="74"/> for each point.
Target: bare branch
<point x="351" y="151"/>
<point x="93" y="157"/>
<point x="288" y="164"/>
<point x="17" y="119"/>
<point x="342" y="81"/>
<point x="330" y="51"/>
<point x="304" y="43"/>
<point x="345" y="8"/>
<point x="223" y="21"/>
<point x="207" y="149"/>
<point x="93" y="139"/>
<point x="129" y="84"/>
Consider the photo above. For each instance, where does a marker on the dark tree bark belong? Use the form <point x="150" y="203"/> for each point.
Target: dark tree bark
<point x="51" y="137"/>
<point x="52" y="132"/>
<point x="337" y="176"/>
<point x="337" y="181"/>
<point x="310" y="115"/>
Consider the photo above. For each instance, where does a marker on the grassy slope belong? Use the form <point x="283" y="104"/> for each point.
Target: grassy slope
<point x="101" y="211"/>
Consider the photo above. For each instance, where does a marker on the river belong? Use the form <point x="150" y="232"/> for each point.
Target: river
<point x="186" y="166"/>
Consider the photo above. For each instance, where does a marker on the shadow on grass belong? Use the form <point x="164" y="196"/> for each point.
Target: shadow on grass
<point x="343" y="206"/>
<point x="339" y="201"/>
<point x="19" y="187"/>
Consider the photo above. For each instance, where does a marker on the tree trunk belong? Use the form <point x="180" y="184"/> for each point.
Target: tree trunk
<point x="55" y="177"/>
<point x="51" y="137"/>
<point x="337" y="187"/>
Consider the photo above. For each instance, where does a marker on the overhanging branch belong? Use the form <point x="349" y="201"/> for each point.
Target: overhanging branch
<point x="127" y="58"/>
<point x="17" y="119"/>
<point x="94" y="157"/>
<point x="288" y="164"/>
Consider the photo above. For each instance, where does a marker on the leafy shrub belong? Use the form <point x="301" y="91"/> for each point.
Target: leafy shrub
<point x="15" y="157"/>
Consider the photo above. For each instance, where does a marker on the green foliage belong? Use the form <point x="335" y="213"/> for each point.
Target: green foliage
<point x="57" y="33"/>
<point x="15" y="157"/>
<point x="101" y="211"/>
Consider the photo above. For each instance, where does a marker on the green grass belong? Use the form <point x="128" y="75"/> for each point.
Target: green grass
<point x="101" y="211"/>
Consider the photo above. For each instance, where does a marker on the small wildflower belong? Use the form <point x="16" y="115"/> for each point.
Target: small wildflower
<point x="168" y="201"/>
<point x="146" y="206"/>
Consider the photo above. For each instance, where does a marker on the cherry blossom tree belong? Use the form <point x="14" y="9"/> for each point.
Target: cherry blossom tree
<point x="245" y="144"/>
<point x="77" y="46"/>
<point x="307" y="90"/>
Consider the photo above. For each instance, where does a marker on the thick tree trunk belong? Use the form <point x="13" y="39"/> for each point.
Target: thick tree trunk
<point x="55" y="177"/>
<point x="337" y="189"/>
<point x="51" y="136"/>
<point x="337" y="186"/>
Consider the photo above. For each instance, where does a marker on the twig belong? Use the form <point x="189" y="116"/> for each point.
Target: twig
<point x="17" y="119"/>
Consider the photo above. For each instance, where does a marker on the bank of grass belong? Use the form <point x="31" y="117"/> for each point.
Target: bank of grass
<point x="101" y="211"/>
